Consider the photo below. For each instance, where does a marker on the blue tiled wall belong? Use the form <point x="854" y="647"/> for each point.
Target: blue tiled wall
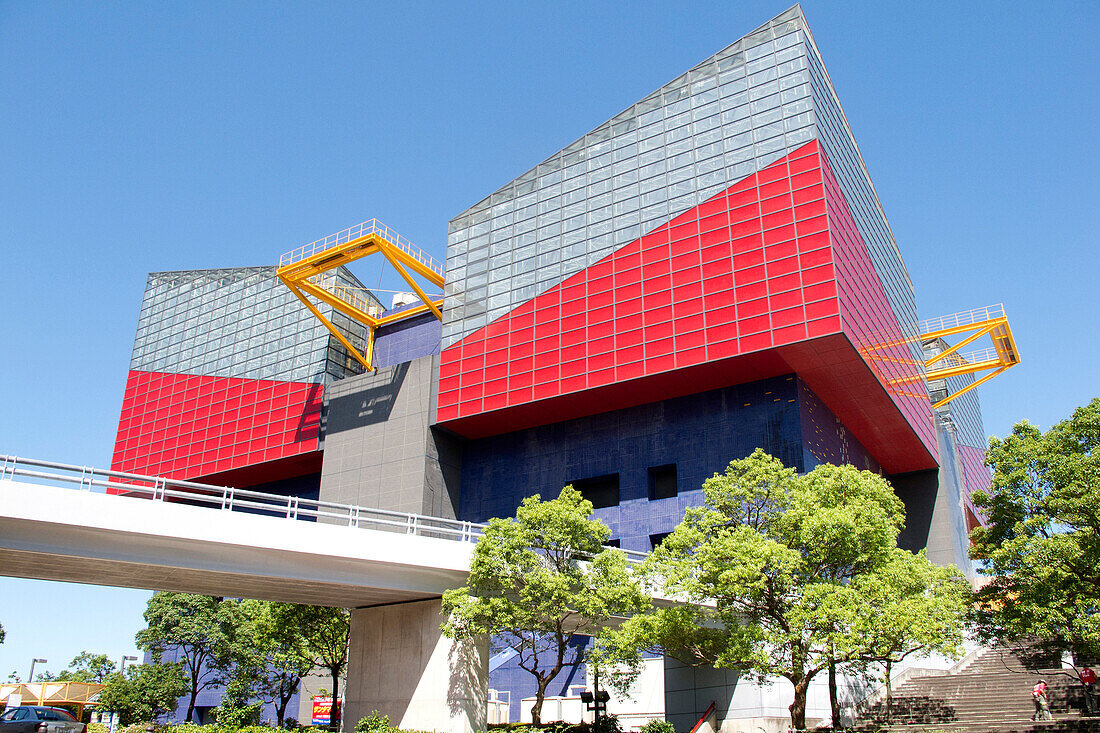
<point x="508" y="675"/>
<point x="700" y="433"/>
<point x="825" y="439"/>
<point x="407" y="340"/>
<point x="211" y="697"/>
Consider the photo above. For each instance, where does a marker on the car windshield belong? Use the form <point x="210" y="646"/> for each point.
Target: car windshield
<point x="13" y="714"/>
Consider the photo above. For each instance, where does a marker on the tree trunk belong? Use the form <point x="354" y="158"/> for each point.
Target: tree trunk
<point x="191" y="704"/>
<point x="834" y="705"/>
<point x="889" y="693"/>
<point x="336" y="712"/>
<point x="540" y="695"/>
<point x="798" y="707"/>
<point x="280" y="710"/>
<point x="287" y="688"/>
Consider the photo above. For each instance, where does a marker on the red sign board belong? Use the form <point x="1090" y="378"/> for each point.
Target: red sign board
<point x="325" y="710"/>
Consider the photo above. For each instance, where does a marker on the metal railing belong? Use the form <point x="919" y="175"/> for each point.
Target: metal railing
<point x="373" y="226"/>
<point x="963" y="318"/>
<point x="225" y="498"/>
<point x="360" y="298"/>
<point x="970" y="357"/>
<point x="159" y="488"/>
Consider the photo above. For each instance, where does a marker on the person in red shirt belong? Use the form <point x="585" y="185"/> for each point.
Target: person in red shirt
<point x="1039" y="697"/>
<point x="1088" y="679"/>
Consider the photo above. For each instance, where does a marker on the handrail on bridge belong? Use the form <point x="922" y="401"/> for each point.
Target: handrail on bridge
<point x="159" y="488"/>
<point x="226" y="498"/>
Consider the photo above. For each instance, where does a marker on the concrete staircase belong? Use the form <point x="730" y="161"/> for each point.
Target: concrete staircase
<point x="990" y="695"/>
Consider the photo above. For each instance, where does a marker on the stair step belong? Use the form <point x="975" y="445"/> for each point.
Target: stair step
<point x="991" y="695"/>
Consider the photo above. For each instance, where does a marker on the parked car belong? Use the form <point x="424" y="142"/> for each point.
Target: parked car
<point x="39" y="719"/>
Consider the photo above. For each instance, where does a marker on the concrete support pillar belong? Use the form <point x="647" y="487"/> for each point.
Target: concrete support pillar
<point x="401" y="665"/>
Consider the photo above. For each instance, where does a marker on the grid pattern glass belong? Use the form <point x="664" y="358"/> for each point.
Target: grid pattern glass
<point x="733" y="114"/>
<point x="239" y="322"/>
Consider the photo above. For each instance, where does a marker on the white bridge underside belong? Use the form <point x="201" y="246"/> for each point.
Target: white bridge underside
<point x="54" y="533"/>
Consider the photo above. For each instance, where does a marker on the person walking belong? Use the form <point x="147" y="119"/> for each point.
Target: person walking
<point x="1088" y="679"/>
<point x="1039" y="697"/>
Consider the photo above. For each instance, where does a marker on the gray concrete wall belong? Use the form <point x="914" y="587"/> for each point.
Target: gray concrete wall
<point x="401" y="665"/>
<point x="380" y="450"/>
<point x="934" y="515"/>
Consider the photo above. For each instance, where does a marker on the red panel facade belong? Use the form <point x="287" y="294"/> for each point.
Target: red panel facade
<point x="188" y="426"/>
<point x="747" y="270"/>
<point x="869" y="320"/>
<point x="743" y="286"/>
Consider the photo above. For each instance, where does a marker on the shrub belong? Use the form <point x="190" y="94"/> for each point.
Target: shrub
<point x="237" y="717"/>
<point x="291" y="723"/>
<point x="376" y="722"/>
<point x="658" y="726"/>
<point x="97" y="728"/>
<point x="190" y="727"/>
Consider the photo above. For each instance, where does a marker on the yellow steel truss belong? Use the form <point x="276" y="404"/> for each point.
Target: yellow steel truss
<point x="77" y="694"/>
<point x="989" y="321"/>
<point x="308" y="270"/>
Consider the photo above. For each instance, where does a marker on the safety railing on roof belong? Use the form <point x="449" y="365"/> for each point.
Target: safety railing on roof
<point x="963" y="318"/>
<point x="225" y="498"/>
<point x="373" y="226"/>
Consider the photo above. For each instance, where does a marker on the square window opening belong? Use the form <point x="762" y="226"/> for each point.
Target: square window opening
<point x="662" y="481"/>
<point x="602" y="491"/>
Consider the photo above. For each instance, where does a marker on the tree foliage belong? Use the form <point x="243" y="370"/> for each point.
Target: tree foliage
<point x="204" y="631"/>
<point x="907" y="607"/>
<point x="318" y="632"/>
<point x="87" y="667"/>
<point x="273" y="661"/>
<point x="537" y="579"/>
<point x="1041" y="545"/>
<point x="143" y="692"/>
<point x="779" y="570"/>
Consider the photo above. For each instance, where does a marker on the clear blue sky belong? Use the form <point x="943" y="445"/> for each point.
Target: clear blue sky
<point x="161" y="136"/>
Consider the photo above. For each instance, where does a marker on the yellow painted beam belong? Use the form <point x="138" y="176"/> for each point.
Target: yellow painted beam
<point x="299" y="277"/>
<point x="365" y="361"/>
<point x="390" y="253"/>
<point x="941" y="332"/>
<point x="969" y="387"/>
<point x="962" y="369"/>
<point x="408" y="313"/>
<point x="340" y="305"/>
<point x="954" y="349"/>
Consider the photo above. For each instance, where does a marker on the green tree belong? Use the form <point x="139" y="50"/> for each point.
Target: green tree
<point x="204" y="631"/>
<point x="323" y="634"/>
<point x="237" y="709"/>
<point x="907" y="607"/>
<point x="1041" y="544"/>
<point x="143" y="692"/>
<point x="763" y="564"/>
<point x="2" y="633"/>
<point x="537" y="579"/>
<point x="87" y="667"/>
<point x="275" y="661"/>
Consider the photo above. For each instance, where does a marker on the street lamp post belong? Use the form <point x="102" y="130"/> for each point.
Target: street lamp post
<point x="30" y="677"/>
<point x="124" y="660"/>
